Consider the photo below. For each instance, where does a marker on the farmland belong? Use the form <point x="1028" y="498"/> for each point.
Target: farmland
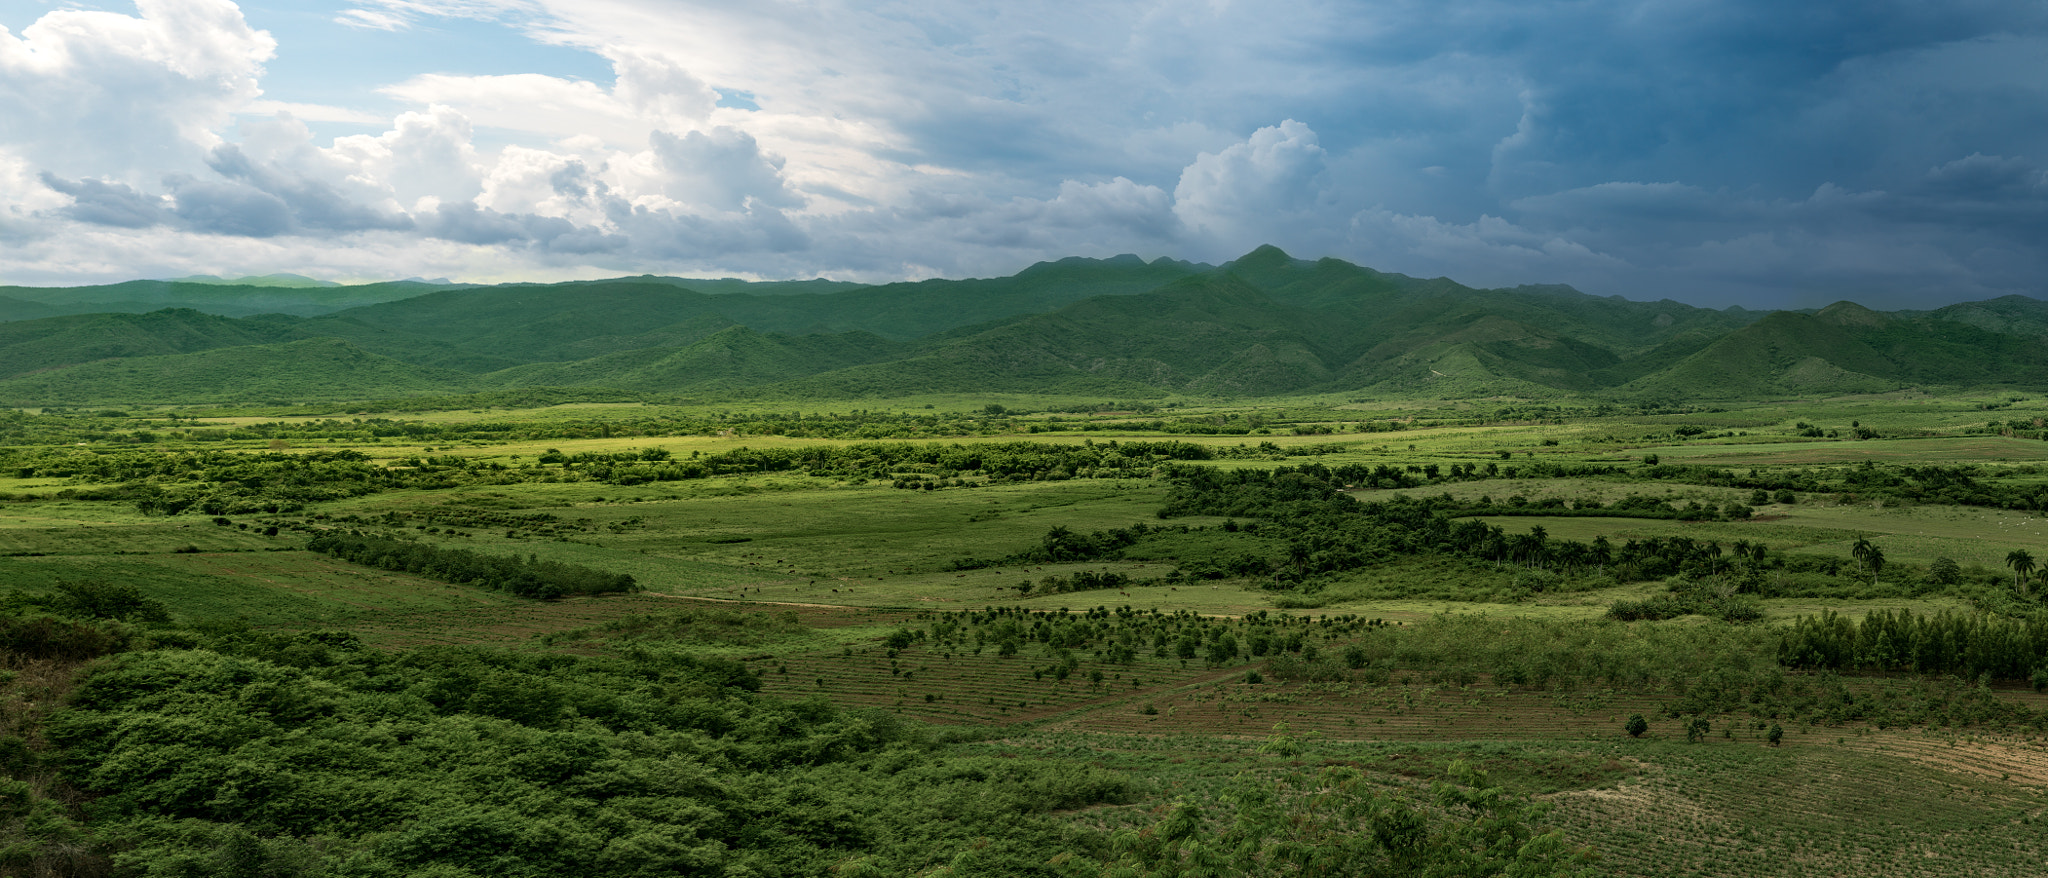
<point x="1387" y="588"/>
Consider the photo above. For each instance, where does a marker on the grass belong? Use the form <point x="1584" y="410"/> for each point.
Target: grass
<point x="856" y="562"/>
<point x="269" y="589"/>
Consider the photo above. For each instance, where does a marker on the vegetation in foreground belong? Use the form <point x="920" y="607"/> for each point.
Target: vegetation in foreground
<point x="1361" y="640"/>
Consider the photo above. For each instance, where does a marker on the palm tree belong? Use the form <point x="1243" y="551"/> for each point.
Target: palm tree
<point x="1862" y="549"/>
<point x="1874" y="558"/>
<point x="2022" y="563"/>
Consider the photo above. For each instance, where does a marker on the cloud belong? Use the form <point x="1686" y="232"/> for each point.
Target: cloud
<point x="721" y="170"/>
<point x="425" y="157"/>
<point x="221" y="208"/>
<point x="1489" y="251"/>
<point x="396" y="15"/>
<point x="314" y="204"/>
<point x="1673" y="149"/>
<point x="657" y="87"/>
<point x="105" y="203"/>
<point x="1268" y="185"/>
<point x="128" y="98"/>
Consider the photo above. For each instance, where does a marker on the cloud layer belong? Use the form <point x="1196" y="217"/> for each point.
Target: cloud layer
<point x="1722" y="153"/>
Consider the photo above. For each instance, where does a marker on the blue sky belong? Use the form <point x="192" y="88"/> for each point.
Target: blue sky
<point x="1761" y="154"/>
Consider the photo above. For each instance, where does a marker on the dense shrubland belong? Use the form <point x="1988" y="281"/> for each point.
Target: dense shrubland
<point x="230" y="483"/>
<point x="220" y="750"/>
<point x="529" y="577"/>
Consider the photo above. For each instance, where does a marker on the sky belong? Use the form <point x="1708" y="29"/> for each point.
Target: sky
<point x="1719" y="153"/>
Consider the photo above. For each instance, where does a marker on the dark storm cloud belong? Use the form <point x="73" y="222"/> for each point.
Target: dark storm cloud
<point x="106" y="203"/>
<point x="314" y="205"/>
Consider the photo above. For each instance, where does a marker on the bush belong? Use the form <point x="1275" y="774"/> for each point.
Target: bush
<point x="1354" y="657"/>
<point x="1945" y="571"/>
<point x="1636" y="726"/>
<point x="106" y="600"/>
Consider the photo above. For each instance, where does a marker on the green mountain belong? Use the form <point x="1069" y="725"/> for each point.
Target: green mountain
<point x="32" y="346"/>
<point x="732" y="358"/>
<point x="238" y="298"/>
<point x="1847" y="348"/>
<point x="292" y="281"/>
<point x="293" y="371"/>
<point x="1264" y="324"/>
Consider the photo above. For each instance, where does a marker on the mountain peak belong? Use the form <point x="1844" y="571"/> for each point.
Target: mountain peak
<point x="1263" y="256"/>
<point x="1847" y="313"/>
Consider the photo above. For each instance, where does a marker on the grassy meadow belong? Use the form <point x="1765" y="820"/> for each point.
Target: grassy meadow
<point x="936" y="597"/>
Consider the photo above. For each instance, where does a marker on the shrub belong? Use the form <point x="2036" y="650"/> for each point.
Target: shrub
<point x="1636" y="726"/>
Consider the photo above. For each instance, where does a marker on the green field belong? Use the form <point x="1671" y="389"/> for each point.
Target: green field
<point x="937" y="597"/>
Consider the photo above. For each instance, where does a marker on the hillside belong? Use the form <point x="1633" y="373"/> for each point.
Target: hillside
<point x="293" y="371"/>
<point x="27" y="347"/>
<point x="731" y="358"/>
<point x="1846" y="348"/>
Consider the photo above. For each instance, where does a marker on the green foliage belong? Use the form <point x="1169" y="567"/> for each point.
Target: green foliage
<point x="1105" y="327"/>
<point x="1636" y="725"/>
<point x="689" y="627"/>
<point x="529" y="577"/>
<point x="1900" y="640"/>
<point x="1336" y="822"/>
<point x="100" y="599"/>
<point x="293" y="754"/>
<point x="1945" y="571"/>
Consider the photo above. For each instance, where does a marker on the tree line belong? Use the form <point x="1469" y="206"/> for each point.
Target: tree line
<point x="529" y="577"/>
<point x="1965" y="645"/>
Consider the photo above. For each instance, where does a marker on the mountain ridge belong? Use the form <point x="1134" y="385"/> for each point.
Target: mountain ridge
<point x="1264" y="324"/>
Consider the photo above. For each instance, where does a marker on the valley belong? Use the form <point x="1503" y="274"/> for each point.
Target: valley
<point x="1112" y="568"/>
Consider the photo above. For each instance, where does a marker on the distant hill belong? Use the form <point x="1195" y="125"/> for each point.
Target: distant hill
<point x="1264" y="324"/>
<point x="215" y="296"/>
<point x="292" y="281"/>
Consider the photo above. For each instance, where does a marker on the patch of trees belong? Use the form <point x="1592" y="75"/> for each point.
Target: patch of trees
<point x="1962" y="485"/>
<point x="1330" y="531"/>
<point x="235" y="483"/>
<point x="1965" y="645"/>
<point x="529" y="577"/>
<point x="1631" y="506"/>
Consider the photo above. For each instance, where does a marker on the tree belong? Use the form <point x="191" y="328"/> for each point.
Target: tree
<point x="1777" y="734"/>
<point x="1869" y="555"/>
<point x="1636" y="726"/>
<point x="2022" y="563"/>
<point x="1945" y="571"/>
<point x="1696" y="729"/>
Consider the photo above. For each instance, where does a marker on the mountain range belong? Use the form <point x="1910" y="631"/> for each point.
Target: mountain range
<point x="1262" y="325"/>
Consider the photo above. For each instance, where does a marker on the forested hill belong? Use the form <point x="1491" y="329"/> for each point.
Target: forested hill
<point x="1264" y="324"/>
